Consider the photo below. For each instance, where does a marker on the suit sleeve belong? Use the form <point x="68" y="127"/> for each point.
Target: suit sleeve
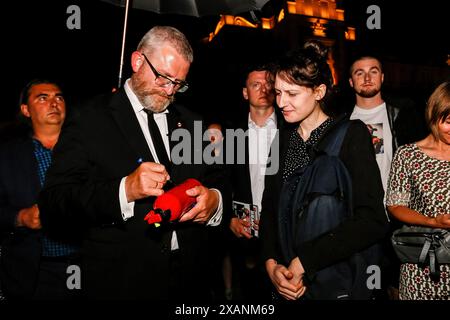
<point x="369" y="223"/>
<point x="8" y="213"/>
<point x="13" y="195"/>
<point x="269" y="220"/>
<point x="72" y="192"/>
<point x="217" y="176"/>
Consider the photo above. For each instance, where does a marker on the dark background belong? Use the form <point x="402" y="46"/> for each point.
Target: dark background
<point x="37" y="43"/>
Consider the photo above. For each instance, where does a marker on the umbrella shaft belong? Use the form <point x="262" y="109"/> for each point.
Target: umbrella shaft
<point x="125" y="24"/>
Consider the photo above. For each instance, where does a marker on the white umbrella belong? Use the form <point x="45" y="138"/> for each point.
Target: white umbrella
<point x="195" y="8"/>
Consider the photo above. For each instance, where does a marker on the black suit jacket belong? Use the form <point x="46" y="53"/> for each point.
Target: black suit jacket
<point x="21" y="247"/>
<point x="240" y="172"/>
<point x="123" y="259"/>
<point x="242" y="192"/>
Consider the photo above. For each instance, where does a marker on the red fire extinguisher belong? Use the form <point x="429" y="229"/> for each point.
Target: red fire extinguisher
<point x="172" y="204"/>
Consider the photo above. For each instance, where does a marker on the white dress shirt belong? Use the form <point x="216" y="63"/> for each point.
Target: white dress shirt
<point x="259" y="141"/>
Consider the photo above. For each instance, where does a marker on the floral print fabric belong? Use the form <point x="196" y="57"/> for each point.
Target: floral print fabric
<point x="421" y="183"/>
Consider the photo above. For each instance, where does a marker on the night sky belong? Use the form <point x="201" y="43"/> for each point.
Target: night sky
<point x="37" y="43"/>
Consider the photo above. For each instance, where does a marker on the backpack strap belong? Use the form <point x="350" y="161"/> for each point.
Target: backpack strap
<point x="333" y="146"/>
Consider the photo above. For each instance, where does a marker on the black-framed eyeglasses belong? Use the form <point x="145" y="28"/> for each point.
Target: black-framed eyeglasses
<point x="164" y="81"/>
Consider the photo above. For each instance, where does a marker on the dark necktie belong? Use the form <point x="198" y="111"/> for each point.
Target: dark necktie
<point x="158" y="142"/>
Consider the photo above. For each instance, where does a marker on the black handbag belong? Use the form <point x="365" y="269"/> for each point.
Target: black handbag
<point x="422" y="245"/>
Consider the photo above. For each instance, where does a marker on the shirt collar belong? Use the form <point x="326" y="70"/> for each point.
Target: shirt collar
<point x="318" y="132"/>
<point x="39" y="146"/>
<point x="371" y="110"/>
<point x="272" y="119"/>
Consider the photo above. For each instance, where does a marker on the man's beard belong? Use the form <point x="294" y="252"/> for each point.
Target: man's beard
<point x="369" y="93"/>
<point x="153" y="100"/>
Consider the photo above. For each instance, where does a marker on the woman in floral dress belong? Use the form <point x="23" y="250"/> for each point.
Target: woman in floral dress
<point x="419" y="194"/>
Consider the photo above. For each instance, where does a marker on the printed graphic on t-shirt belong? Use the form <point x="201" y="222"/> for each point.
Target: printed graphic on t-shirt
<point x="376" y="131"/>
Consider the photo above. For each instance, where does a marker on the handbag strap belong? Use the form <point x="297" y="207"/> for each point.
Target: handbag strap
<point x="425" y="250"/>
<point x="434" y="268"/>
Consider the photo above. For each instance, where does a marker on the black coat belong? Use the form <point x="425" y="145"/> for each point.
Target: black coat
<point x="368" y="225"/>
<point x="21" y="247"/>
<point x="123" y="259"/>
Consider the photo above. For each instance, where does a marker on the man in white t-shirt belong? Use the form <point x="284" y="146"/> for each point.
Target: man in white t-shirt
<point x="390" y="128"/>
<point x="366" y="78"/>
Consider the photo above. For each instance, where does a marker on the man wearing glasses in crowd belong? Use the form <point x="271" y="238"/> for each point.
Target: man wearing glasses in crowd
<point x="113" y="160"/>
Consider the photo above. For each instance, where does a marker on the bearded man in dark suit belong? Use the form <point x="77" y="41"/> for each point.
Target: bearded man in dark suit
<point x="109" y="167"/>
